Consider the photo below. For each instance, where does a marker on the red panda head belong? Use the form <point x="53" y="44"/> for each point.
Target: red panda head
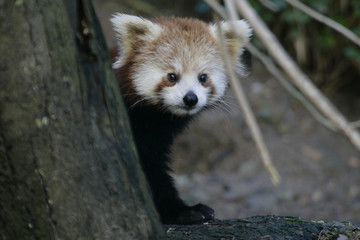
<point x="176" y="63"/>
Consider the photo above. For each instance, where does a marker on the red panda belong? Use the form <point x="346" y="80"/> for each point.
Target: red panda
<point x="170" y="69"/>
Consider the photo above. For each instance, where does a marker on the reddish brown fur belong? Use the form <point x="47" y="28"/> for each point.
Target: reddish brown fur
<point x="193" y="32"/>
<point x="123" y="76"/>
<point x="210" y="85"/>
<point x="164" y="83"/>
<point x="158" y="108"/>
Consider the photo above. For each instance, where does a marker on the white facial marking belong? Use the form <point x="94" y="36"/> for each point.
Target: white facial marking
<point x="184" y="53"/>
<point x="173" y="96"/>
<point x="146" y="79"/>
<point x="150" y="74"/>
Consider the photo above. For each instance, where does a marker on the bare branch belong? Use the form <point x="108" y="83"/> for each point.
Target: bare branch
<point x="268" y="63"/>
<point x="300" y="79"/>
<point x="246" y="109"/>
<point x="355" y="124"/>
<point x="271" y="67"/>
<point x="325" y="20"/>
<point x="269" y="5"/>
<point x="217" y="8"/>
<point x="244" y="105"/>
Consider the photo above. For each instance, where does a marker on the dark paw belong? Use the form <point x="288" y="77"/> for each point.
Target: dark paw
<point x="199" y="213"/>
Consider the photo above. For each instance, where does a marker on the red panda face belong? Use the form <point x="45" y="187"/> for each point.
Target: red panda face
<point x="176" y="63"/>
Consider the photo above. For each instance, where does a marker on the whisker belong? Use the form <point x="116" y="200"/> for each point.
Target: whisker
<point x="222" y="106"/>
<point x="219" y="111"/>
<point x="230" y="104"/>
<point x="137" y="102"/>
<point x="226" y="106"/>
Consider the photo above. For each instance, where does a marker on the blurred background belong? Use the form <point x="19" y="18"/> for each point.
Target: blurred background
<point x="215" y="160"/>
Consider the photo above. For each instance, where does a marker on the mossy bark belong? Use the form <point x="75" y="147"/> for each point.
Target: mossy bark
<point x="68" y="165"/>
<point x="266" y="227"/>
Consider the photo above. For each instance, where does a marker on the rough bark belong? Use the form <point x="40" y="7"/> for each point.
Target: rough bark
<point x="266" y="227"/>
<point x="68" y="165"/>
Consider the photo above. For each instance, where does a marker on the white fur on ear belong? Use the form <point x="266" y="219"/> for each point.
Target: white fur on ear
<point x="130" y="29"/>
<point x="235" y="33"/>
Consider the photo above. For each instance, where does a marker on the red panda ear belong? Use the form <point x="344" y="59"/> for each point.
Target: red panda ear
<point x="235" y="34"/>
<point x="129" y="30"/>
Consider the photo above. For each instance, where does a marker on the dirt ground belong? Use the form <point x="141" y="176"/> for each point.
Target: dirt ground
<point x="216" y="163"/>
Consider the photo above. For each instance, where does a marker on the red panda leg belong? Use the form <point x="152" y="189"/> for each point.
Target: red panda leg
<point x="170" y="206"/>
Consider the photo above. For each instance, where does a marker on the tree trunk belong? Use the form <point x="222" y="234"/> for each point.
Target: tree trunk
<point x="68" y="165"/>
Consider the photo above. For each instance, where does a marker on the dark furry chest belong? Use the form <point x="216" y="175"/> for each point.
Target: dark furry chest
<point x="154" y="131"/>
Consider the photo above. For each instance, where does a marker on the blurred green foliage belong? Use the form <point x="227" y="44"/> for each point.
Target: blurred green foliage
<point x="329" y="58"/>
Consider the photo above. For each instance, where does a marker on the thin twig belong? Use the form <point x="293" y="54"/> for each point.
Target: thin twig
<point x="300" y="79"/>
<point x="246" y="109"/>
<point x="269" y="5"/>
<point x="355" y="124"/>
<point x="271" y="67"/>
<point x="217" y="8"/>
<point x="244" y="105"/>
<point x="325" y="20"/>
<point x="143" y="7"/>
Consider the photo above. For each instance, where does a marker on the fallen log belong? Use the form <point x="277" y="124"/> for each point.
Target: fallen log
<point x="265" y="227"/>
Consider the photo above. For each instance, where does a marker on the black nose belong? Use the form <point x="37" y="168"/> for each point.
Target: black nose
<point x="190" y="99"/>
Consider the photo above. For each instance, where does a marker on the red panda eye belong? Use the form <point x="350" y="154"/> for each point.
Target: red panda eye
<point x="172" y="77"/>
<point x="203" y="77"/>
